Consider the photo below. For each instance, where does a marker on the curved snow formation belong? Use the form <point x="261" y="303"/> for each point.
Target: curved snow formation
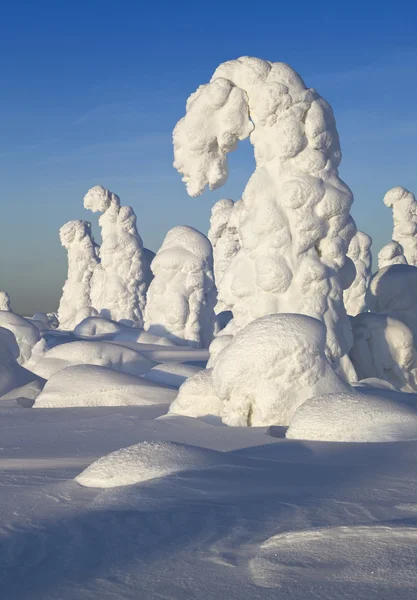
<point x="383" y="347"/>
<point x="353" y="417"/>
<point x="393" y="292"/>
<point x="294" y="226"/>
<point x="145" y="461"/>
<point x="182" y="295"/>
<point x="264" y="374"/>
<point x="391" y="254"/>
<point x="76" y="238"/>
<point x="404" y="213"/>
<point x="25" y="333"/>
<point x="5" y="301"/>
<point x="12" y="374"/>
<point x="360" y="253"/>
<point x="120" y="281"/>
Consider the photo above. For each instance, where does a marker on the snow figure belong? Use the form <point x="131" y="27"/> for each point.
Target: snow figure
<point x="5" y="301"/>
<point x="391" y="254"/>
<point x="76" y="238"/>
<point x="384" y="348"/>
<point x="120" y="281"/>
<point x="294" y="225"/>
<point x="182" y="295"/>
<point x="404" y="212"/>
<point x="360" y="253"/>
<point x="264" y="374"/>
<point x="224" y="237"/>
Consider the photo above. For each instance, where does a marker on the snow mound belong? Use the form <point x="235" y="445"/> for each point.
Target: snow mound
<point x="391" y="254"/>
<point x="145" y="461"/>
<point x="26" y="334"/>
<point x="97" y="326"/>
<point x="12" y="374"/>
<point x="197" y="398"/>
<point x="182" y="295"/>
<point x="89" y="385"/>
<point x="5" y="301"/>
<point x="353" y="417"/>
<point x="104" y="354"/>
<point x="173" y="374"/>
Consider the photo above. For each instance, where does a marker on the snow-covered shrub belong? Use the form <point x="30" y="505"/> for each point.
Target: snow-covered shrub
<point x="294" y="225"/>
<point x="5" y="301"/>
<point x="404" y="212"/>
<point x="182" y="295"/>
<point x="26" y="334"/>
<point x="383" y="347"/>
<point x="76" y="238"/>
<point x="261" y="377"/>
<point x="360" y="253"/>
<point x="391" y="254"/>
<point x="120" y="281"/>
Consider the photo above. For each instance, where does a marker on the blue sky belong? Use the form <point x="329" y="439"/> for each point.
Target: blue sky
<point x="92" y="90"/>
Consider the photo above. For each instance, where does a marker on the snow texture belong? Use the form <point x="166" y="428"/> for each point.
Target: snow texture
<point x="120" y="281"/>
<point x="182" y="295"/>
<point x="391" y="254"/>
<point x="12" y="374"/>
<point x="145" y="461"/>
<point x="26" y="334"/>
<point x="263" y="375"/>
<point x="353" y="417"/>
<point x="404" y="212"/>
<point x="90" y="385"/>
<point x="77" y="239"/>
<point x="294" y="225"/>
<point x="383" y="347"/>
<point x="360" y="253"/>
<point x="5" y="301"/>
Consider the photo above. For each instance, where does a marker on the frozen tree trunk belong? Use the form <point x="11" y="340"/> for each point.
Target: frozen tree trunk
<point x="404" y="212"/>
<point x="294" y="225"/>
<point x="391" y="254"/>
<point x="182" y="295"/>
<point x="360" y="253"/>
<point x="5" y="301"/>
<point x="120" y="281"/>
<point x="76" y="238"/>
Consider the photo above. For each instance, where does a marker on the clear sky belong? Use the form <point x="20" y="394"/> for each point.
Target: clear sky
<point x="90" y="93"/>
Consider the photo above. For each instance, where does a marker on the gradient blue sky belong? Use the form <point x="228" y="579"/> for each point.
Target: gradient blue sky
<point x="92" y="90"/>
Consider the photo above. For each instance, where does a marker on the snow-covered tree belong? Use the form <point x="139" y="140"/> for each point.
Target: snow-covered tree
<point x="391" y="254"/>
<point x="76" y="238"/>
<point x="294" y="225"/>
<point x="120" y="281"/>
<point x="182" y="295"/>
<point x="5" y="301"/>
<point x="360" y="253"/>
<point x="404" y="213"/>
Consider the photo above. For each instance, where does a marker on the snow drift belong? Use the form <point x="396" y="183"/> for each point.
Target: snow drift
<point x="294" y="224"/>
<point x="182" y="295"/>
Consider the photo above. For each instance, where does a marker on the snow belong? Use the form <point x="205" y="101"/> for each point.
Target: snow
<point x="404" y="212"/>
<point x="353" y="417"/>
<point x="77" y="239"/>
<point x="5" y="301"/>
<point x="359" y="252"/>
<point x="391" y="254"/>
<point x="12" y="374"/>
<point x="146" y="461"/>
<point x="171" y="373"/>
<point x="294" y="225"/>
<point x="25" y="333"/>
<point x="89" y="385"/>
<point x="120" y="281"/>
<point x="182" y="295"/>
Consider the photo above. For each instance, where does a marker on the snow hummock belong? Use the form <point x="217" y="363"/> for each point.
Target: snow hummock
<point x="120" y="281"/>
<point x="360" y="253"/>
<point x="5" y="301"/>
<point x="404" y="212"/>
<point x="391" y="254"/>
<point x="294" y="225"/>
<point x="91" y="385"/>
<point x="182" y="295"/>
<point x="263" y="375"/>
<point x="171" y="373"/>
<point x="146" y="461"/>
<point x="25" y="333"/>
<point x="77" y="239"/>
<point x="12" y="374"/>
<point x="353" y="417"/>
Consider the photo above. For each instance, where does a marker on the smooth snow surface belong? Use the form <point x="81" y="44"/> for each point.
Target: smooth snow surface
<point x="25" y="333"/>
<point x="90" y="385"/>
<point x="76" y="238"/>
<point x="182" y="295"/>
<point x="404" y="212"/>
<point x="261" y="377"/>
<point x="294" y="226"/>
<point x="120" y="281"/>
<point x="145" y="461"/>
<point x="12" y="374"/>
<point x="353" y="417"/>
<point x="360" y="254"/>
<point x="171" y="373"/>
